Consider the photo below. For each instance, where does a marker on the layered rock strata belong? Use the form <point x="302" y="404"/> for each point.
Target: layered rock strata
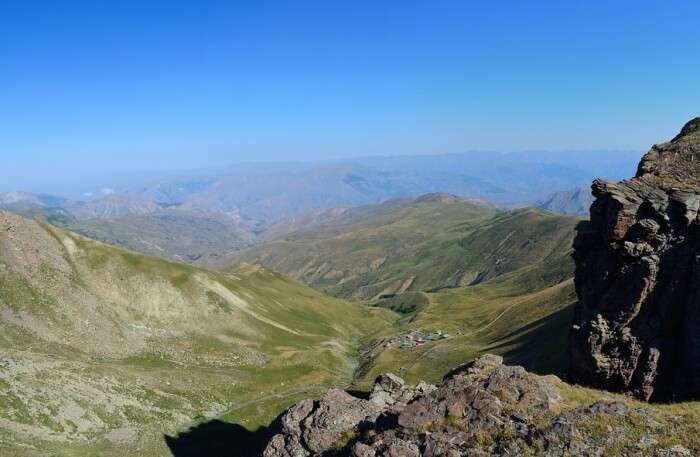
<point x="637" y="322"/>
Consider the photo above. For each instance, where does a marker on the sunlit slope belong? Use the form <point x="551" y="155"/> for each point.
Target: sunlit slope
<point x="417" y="246"/>
<point x="506" y="316"/>
<point x="104" y="349"/>
<point x="495" y="281"/>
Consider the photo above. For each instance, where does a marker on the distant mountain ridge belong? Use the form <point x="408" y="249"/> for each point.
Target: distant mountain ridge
<point x="112" y="206"/>
<point x="573" y="201"/>
<point x="139" y="224"/>
<point x="273" y="192"/>
<point x="240" y="206"/>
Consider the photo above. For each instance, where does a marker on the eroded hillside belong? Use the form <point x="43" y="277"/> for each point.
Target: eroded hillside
<point x="104" y="349"/>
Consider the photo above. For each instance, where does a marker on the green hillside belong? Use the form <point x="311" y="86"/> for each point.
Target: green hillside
<point x="494" y="281"/>
<point x="105" y="350"/>
<point x="146" y="348"/>
<point x="502" y="316"/>
<point x="426" y="244"/>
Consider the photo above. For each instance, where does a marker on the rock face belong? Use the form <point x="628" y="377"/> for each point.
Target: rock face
<point x="637" y="323"/>
<point x="481" y="409"/>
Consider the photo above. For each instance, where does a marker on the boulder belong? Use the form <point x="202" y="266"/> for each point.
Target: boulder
<point x="485" y="408"/>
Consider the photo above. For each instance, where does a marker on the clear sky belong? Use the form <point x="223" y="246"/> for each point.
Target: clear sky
<point x="98" y="86"/>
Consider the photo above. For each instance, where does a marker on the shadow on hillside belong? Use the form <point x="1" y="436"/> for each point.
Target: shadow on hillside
<point x="540" y="347"/>
<point x="218" y="439"/>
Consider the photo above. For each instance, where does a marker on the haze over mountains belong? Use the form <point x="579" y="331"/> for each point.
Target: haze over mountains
<point x="235" y="207"/>
<point x="572" y="201"/>
<point x="147" y="347"/>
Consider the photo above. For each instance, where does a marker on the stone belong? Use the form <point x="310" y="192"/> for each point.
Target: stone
<point x="483" y="408"/>
<point x="636" y="327"/>
<point x="388" y="389"/>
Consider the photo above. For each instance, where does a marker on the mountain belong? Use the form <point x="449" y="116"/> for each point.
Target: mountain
<point x="573" y="201"/>
<point x="112" y="206"/>
<point x="103" y="207"/>
<point x="483" y="408"/>
<point x="105" y="350"/>
<point x="272" y="192"/>
<point x="638" y="316"/>
<point x="410" y="245"/>
<point x="139" y="224"/>
<point x="498" y="281"/>
<point x="247" y="204"/>
<point x="19" y="201"/>
<point x="173" y="233"/>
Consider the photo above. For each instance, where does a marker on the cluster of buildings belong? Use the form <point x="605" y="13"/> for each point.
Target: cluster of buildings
<point x="415" y="338"/>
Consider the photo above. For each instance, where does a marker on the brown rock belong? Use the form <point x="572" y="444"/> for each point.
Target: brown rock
<point x="484" y="398"/>
<point x="637" y="323"/>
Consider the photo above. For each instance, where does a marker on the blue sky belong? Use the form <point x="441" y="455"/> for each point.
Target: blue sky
<point x="104" y="86"/>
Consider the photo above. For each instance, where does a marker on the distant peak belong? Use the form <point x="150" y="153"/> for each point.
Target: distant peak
<point x="440" y="197"/>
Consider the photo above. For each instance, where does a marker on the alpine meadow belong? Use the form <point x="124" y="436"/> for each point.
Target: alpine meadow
<point x="334" y="229"/>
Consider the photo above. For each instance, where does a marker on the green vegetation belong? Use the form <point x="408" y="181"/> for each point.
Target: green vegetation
<point x="145" y="347"/>
<point x="494" y="281"/>
<point x="500" y="316"/>
<point x="412" y="246"/>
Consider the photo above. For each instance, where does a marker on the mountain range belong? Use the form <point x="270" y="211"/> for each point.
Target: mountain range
<point x="434" y="242"/>
<point x="192" y="216"/>
<point x="171" y="344"/>
<point x="164" y="358"/>
<point x="264" y="308"/>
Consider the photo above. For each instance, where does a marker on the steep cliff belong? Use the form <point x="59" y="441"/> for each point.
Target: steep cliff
<point x="637" y="323"/>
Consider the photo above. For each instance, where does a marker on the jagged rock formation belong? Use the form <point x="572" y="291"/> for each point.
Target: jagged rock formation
<point x="637" y="324"/>
<point x="485" y="408"/>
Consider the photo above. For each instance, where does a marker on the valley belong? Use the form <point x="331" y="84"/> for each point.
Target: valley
<point x="159" y="357"/>
<point x="433" y="242"/>
<point x="143" y="346"/>
<point x="349" y="229"/>
<point x="172" y="345"/>
<point x="495" y="281"/>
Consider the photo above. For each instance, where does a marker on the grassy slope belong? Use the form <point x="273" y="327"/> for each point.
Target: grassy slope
<point x="498" y="316"/>
<point x="518" y="262"/>
<point x="420" y="245"/>
<point x="144" y="347"/>
<point x="522" y="312"/>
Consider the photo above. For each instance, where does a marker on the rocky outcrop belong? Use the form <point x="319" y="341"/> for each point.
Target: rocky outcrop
<point x="481" y="409"/>
<point x="637" y="323"/>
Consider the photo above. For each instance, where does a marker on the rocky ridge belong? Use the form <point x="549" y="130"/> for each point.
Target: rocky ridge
<point x="483" y="408"/>
<point x="637" y="323"/>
